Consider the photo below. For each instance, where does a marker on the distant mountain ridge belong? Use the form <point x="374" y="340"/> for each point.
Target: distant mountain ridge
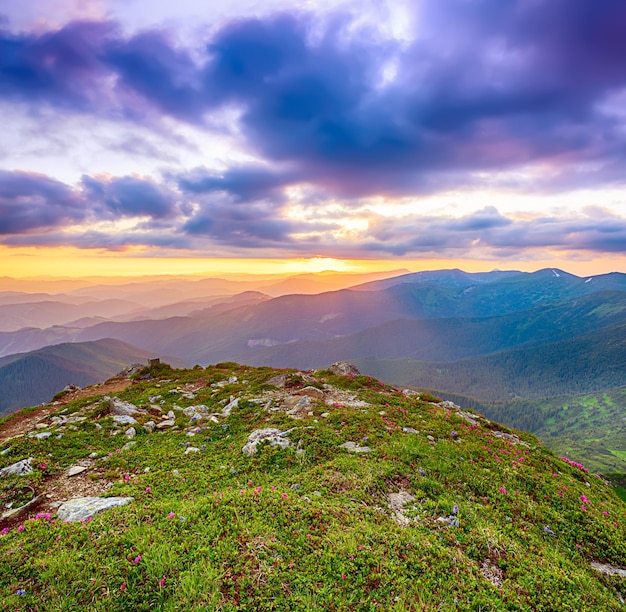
<point x="32" y="378"/>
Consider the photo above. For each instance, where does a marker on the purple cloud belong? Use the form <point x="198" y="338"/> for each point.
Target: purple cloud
<point x="30" y="201"/>
<point x="128" y="196"/>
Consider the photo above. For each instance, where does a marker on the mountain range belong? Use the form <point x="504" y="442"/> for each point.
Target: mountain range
<point x="496" y="337"/>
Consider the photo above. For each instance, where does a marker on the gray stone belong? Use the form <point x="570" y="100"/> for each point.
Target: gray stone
<point x="610" y="570"/>
<point x="93" y="455"/>
<point x="124" y="419"/>
<point x="43" y="435"/>
<point x="468" y="416"/>
<point x="313" y="392"/>
<point x="75" y="470"/>
<point x="234" y="402"/>
<point x="83" y="508"/>
<point x="353" y="448"/>
<point x="274" y="436"/>
<point x="120" y="407"/>
<point x="343" y="368"/>
<point x="325" y="415"/>
<point x="196" y="411"/>
<point x="6" y="451"/>
<point x="409" y="392"/>
<point x="409" y="430"/>
<point x="20" y="468"/>
<point x="149" y="426"/>
<point x="130" y="433"/>
<point x="191" y="449"/>
<point x="277" y="381"/>
<point x="165" y="424"/>
<point x="129" y="445"/>
<point x="171" y="415"/>
<point x="397" y="502"/>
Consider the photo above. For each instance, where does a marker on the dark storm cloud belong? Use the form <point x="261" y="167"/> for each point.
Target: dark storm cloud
<point x="244" y="183"/>
<point x="30" y="201"/>
<point x="488" y="229"/>
<point x="485" y="85"/>
<point x="129" y="196"/>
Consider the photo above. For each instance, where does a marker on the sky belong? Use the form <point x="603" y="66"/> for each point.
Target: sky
<point x="151" y="136"/>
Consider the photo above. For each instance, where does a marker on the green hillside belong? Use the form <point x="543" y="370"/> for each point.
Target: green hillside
<point x="31" y="378"/>
<point x="592" y="362"/>
<point x="363" y="499"/>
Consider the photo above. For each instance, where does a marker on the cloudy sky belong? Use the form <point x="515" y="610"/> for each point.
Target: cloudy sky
<point x="490" y="133"/>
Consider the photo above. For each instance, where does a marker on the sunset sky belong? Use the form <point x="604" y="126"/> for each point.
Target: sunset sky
<point x="152" y="136"/>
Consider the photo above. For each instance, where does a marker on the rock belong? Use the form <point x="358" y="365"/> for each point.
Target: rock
<point x="130" y="433"/>
<point x="166" y="424"/>
<point x="509" y="437"/>
<point x="189" y="396"/>
<point x="468" y="416"/>
<point x="6" y="451"/>
<point x="20" y="468"/>
<point x="200" y="411"/>
<point x="43" y="435"/>
<point x="124" y="419"/>
<point x="409" y="430"/>
<point x="149" y="426"/>
<point x="128" y="445"/>
<point x="409" y="392"/>
<point x="41" y="425"/>
<point x="234" y="402"/>
<point x="171" y="415"/>
<point x="430" y="438"/>
<point x="191" y="449"/>
<point x="313" y="392"/>
<point x="270" y="434"/>
<point x="75" y="470"/>
<point x="130" y="370"/>
<point x="397" y="502"/>
<point x="325" y="415"/>
<point x="610" y="570"/>
<point x="119" y="407"/>
<point x="353" y="448"/>
<point x="93" y="455"/>
<point x="277" y="381"/>
<point x="343" y="368"/>
<point x="83" y="508"/>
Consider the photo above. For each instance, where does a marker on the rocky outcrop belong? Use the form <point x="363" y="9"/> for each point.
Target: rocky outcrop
<point x="83" y="508"/>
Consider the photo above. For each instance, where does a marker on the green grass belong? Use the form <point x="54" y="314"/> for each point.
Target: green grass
<point x="309" y="527"/>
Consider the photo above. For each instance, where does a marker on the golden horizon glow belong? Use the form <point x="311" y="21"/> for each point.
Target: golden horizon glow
<point x="69" y="262"/>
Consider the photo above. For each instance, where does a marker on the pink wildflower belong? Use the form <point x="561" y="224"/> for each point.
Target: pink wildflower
<point x="284" y="496"/>
<point x="20" y="528"/>
<point x="137" y="559"/>
<point x="148" y="489"/>
<point x="171" y="515"/>
<point x="162" y="581"/>
<point x="502" y="490"/>
<point x="123" y="587"/>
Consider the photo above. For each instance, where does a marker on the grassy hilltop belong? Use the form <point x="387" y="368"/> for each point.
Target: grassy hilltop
<point x="430" y="508"/>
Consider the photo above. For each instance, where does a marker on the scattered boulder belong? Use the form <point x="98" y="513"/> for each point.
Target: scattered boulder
<point x="191" y="449"/>
<point x="120" y="407"/>
<point x="234" y="402"/>
<point x="149" y="426"/>
<point x="270" y="434"/>
<point x="83" y="508"/>
<point x="354" y="448"/>
<point x="313" y="392"/>
<point x="343" y="368"/>
<point x="409" y="430"/>
<point x="20" y="468"/>
<point x="124" y="419"/>
<point x="130" y="433"/>
<point x="75" y="470"/>
<point x="509" y="437"/>
<point x="609" y="570"/>
<point x="397" y="502"/>
<point x="277" y="381"/>
<point x="42" y="435"/>
<point x="468" y="416"/>
<point x="166" y="424"/>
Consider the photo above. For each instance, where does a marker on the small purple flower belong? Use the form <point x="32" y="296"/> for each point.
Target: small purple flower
<point x="422" y="471"/>
<point x="455" y="510"/>
<point x="21" y="592"/>
<point x="548" y="531"/>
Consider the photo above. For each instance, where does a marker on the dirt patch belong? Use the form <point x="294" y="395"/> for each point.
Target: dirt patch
<point x="22" y="423"/>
